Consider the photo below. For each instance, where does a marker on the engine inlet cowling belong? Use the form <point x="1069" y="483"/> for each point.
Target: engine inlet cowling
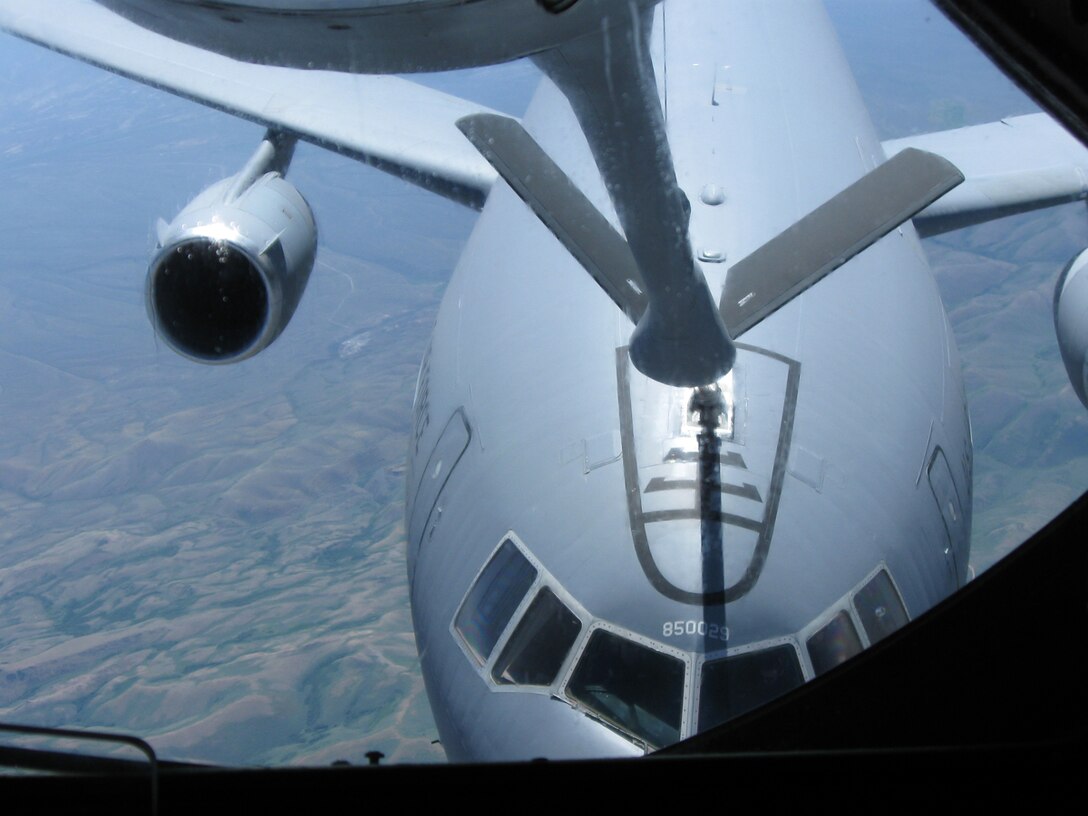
<point x="231" y="268"/>
<point x="1071" y="322"/>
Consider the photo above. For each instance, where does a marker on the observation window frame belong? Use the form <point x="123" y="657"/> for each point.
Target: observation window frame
<point x="687" y="658"/>
<point x="544" y="578"/>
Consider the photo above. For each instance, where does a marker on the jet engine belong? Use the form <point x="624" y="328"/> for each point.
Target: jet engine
<point x="231" y="267"/>
<point x="1071" y="322"/>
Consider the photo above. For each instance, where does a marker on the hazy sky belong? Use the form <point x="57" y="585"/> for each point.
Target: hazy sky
<point x="212" y="557"/>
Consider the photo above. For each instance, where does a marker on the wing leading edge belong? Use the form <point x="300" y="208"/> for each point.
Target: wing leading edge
<point x="393" y="124"/>
<point x="1016" y="165"/>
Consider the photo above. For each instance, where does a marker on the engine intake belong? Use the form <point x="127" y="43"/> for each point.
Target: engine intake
<point x="231" y="268"/>
<point x="1071" y="322"/>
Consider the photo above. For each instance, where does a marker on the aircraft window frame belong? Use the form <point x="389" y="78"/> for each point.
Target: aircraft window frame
<point x="846" y="603"/>
<point x="845" y="614"/>
<point x="739" y="651"/>
<point x="572" y="664"/>
<point x="530" y="591"/>
<point x="693" y="661"/>
<point x="542" y="627"/>
<point x="696" y="677"/>
<point x="544" y="579"/>
<point x="869" y="642"/>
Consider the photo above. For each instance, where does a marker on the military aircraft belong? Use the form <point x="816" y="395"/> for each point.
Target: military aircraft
<point x="620" y="538"/>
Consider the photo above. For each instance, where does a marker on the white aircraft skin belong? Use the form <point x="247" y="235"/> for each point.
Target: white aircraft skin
<point x="845" y="448"/>
<point x="843" y="402"/>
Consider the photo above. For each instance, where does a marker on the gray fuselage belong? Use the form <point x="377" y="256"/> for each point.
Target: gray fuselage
<point x="846" y="450"/>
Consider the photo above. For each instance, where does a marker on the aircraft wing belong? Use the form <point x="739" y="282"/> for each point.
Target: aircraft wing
<point x="391" y="123"/>
<point x="1016" y="165"/>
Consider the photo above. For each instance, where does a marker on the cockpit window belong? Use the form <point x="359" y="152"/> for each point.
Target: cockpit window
<point x="835" y="643"/>
<point x="734" y="685"/>
<point x="637" y="689"/>
<point x="879" y="607"/>
<point x="493" y="599"/>
<point x="539" y="644"/>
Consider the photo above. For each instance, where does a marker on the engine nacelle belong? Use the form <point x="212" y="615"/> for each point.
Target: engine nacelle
<point x="1071" y="322"/>
<point x="231" y="268"/>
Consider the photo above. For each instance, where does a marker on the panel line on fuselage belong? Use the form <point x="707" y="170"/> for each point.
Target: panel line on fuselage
<point x="764" y="527"/>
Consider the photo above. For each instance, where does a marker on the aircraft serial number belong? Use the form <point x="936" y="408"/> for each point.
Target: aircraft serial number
<point x="714" y="631"/>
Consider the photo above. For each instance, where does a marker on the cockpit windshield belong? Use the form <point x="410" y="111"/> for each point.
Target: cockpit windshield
<point x="637" y="689"/>
<point x="540" y="643"/>
<point x="731" y="686"/>
<point x="833" y="644"/>
<point x="492" y="601"/>
<point x="879" y="607"/>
